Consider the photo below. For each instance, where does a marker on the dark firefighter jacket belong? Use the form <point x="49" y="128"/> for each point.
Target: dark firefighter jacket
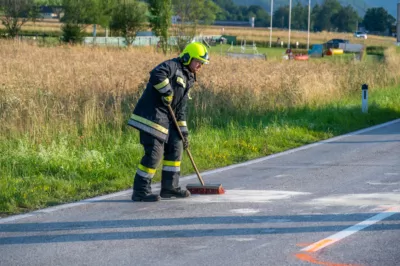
<point x="150" y="114"/>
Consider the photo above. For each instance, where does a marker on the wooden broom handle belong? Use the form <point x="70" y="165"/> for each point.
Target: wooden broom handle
<point x="187" y="149"/>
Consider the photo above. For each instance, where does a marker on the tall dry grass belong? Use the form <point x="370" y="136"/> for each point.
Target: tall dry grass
<point x="254" y="86"/>
<point x="393" y="64"/>
<point x="69" y="89"/>
<point x="78" y="90"/>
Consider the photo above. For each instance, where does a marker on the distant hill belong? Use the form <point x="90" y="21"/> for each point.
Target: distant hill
<point x="360" y="5"/>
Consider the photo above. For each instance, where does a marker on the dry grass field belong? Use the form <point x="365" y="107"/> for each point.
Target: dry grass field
<point x="72" y="88"/>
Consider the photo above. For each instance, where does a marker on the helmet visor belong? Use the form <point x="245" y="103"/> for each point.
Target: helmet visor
<point x="204" y="59"/>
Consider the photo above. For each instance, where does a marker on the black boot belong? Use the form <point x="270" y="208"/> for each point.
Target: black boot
<point x="143" y="196"/>
<point x="142" y="190"/>
<point x="174" y="193"/>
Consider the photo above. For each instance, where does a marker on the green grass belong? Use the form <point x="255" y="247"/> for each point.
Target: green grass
<point x="278" y="53"/>
<point x="70" y="168"/>
<point x="270" y="52"/>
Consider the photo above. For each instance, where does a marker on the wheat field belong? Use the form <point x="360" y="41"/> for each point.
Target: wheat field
<point x="73" y="88"/>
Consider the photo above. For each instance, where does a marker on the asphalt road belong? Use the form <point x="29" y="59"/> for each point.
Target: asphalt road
<point x="333" y="203"/>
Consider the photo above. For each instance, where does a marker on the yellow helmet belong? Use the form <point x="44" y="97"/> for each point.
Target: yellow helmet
<point x="194" y="50"/>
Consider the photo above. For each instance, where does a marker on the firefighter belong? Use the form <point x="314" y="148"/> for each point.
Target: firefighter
<point x="169" y="84"/>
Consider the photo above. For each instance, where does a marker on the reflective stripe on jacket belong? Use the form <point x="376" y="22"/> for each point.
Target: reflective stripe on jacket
<point x="170" y="78"/>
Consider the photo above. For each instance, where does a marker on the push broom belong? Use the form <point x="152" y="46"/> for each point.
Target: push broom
<point x="194" y="188"/>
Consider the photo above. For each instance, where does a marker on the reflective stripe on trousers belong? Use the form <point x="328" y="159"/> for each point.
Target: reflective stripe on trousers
<point x="155" y="151"/>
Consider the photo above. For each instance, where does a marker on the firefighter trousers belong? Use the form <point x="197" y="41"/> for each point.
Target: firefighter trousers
<point x="155" y="151"/>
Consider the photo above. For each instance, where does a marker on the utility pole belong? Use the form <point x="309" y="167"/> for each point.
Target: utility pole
<point x="309" y="23"/>
<point x="270" y="24"/>
<point x="398" y="22"/>
<point x="290" y="20"/>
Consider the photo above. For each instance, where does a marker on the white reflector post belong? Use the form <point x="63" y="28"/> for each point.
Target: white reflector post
<point x="364" y="99"/>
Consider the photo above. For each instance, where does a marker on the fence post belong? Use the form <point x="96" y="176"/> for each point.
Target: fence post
<point x="364" y="98"/>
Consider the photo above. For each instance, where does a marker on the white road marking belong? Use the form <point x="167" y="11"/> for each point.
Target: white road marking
<point x="351" y="230"/>
<point x="372" y="199"/>
<point x="245" y="211"/>
<point x="282" y="175"/>
<point x="382" y="184"/>
<point x="392" y="174"/>
<point x="246" y="196"/>
<point x="241" y="239"/>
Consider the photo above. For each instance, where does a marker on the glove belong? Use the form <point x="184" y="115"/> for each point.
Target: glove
<point x="185" y="141"/>
<point x="167" y="100"/>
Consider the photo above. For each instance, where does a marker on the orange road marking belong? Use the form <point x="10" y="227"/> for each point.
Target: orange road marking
<point x="303" y="244"/>
<point x="311" y="259"/>
<point x="311" y="249"/>
<point x="318" y="245"/>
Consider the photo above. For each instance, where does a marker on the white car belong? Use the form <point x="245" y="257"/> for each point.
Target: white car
<point x="360" y="34"/>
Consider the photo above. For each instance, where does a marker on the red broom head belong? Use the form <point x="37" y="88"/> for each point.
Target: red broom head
<point x="206" y="190"/>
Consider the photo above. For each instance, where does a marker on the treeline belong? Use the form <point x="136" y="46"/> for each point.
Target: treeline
<point x="329" y="16"/>
<point x="122" y="17"/>
<point x="127" y="17"/>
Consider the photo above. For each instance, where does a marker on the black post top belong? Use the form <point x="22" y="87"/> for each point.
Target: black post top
<point x="364" y="87"/>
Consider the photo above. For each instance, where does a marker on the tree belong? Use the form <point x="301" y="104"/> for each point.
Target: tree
<point x="300" y="16"/>
<point x="324" y="17"/>
<point x="82" y="12"/>
<point x="160" y="20"/>
<point x="191" y="13"/>
<point x="346" y="19"/>
<point x="226" y="7"/>
<point x="16" y="13"/>
<point x="237" y="13"/>
<point x="314" y="14"/>
<point x="105" y="9"/>
<point x="208" y="14"/>
<point x="281" y="17"/>
<point x="128" y="18"/>
<point x="79" y="14"/>
<point x="262" y="18"/>
<point x="377" y="19"/>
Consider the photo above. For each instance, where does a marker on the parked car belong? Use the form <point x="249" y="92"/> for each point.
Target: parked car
<point x="334" y="43"/>
<point x="360" y="34"/>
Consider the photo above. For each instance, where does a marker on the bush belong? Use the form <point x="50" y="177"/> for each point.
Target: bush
<point x="376" y="50"/>
<point x="72" y="33"/>
<point x="3" y="33"/>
